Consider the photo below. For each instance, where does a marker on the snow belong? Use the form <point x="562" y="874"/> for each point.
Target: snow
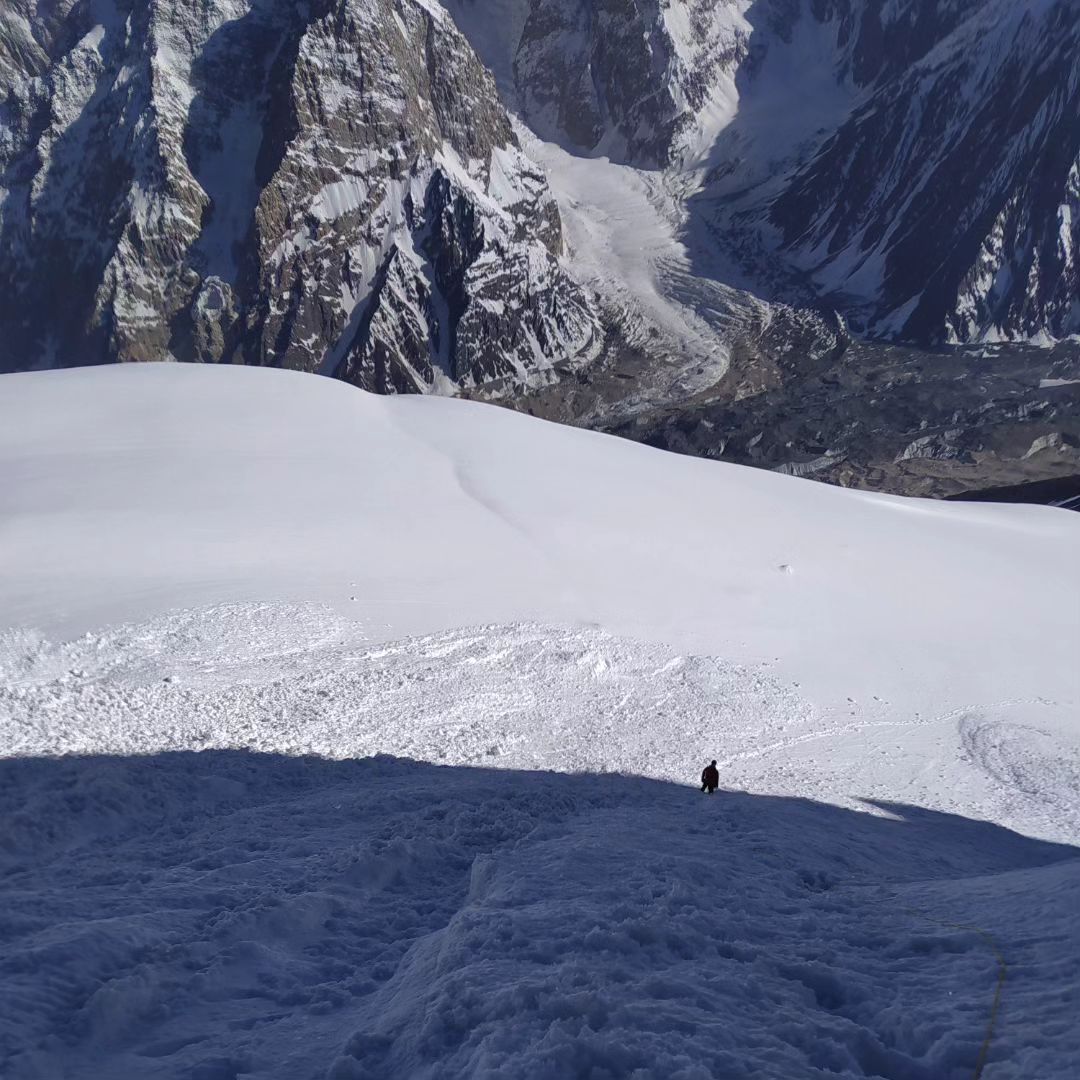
<point x="17" y="27"/>
<point x="349" y="737"/>
<point x="1041" y="339"/>
<point x="507" y="175"/>
<point x="1065" y="224"/>
<point x="762" y="120"/>
<point x="225" y="167"/>
<point x="617" y="230"/>
<point x="724" y="30"/>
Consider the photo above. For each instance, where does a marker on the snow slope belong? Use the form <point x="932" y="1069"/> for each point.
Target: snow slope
<point x="118" y="505"/>
<point x="260" y="565"/>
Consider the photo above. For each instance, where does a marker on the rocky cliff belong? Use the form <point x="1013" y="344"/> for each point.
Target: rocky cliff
<point x="332" y="185"/>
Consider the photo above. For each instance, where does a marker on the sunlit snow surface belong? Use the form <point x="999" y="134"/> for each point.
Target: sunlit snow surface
<point x="549" y="632"/>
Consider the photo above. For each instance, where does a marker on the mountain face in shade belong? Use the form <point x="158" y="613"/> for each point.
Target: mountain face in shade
<point x="946" y="206"/>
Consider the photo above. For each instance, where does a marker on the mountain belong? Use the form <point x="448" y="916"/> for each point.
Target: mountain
<point x="321" y="186"/>
<point x="911" y="167"/>
<point x="945" y="207"/>
<point x="916" y="165"/>
<point x="681" y="220"/>
<point x="355" y="736"/>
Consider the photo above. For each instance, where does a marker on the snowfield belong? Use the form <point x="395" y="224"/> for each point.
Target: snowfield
<point x="356" y="737"/>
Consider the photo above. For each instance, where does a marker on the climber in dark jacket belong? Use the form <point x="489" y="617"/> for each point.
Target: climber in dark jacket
<point x="710" y="778"/>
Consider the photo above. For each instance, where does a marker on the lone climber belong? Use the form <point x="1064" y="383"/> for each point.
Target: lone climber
<point x="710" y="778"/>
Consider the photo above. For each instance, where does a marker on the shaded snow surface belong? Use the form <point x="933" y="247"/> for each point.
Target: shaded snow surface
<point x="450" y="674"/>
<point x="245" y="914"/>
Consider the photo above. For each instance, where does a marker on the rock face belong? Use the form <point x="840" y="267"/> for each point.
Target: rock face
<point x="331" y="185"/>
<point x="644" y="82"/>
<point x="626" y="78"/>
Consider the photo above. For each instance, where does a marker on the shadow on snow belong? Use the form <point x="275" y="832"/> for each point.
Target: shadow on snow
<point x="224" y="913"/>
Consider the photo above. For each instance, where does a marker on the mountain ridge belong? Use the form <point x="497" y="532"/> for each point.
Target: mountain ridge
<point x="419" y="196"/>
